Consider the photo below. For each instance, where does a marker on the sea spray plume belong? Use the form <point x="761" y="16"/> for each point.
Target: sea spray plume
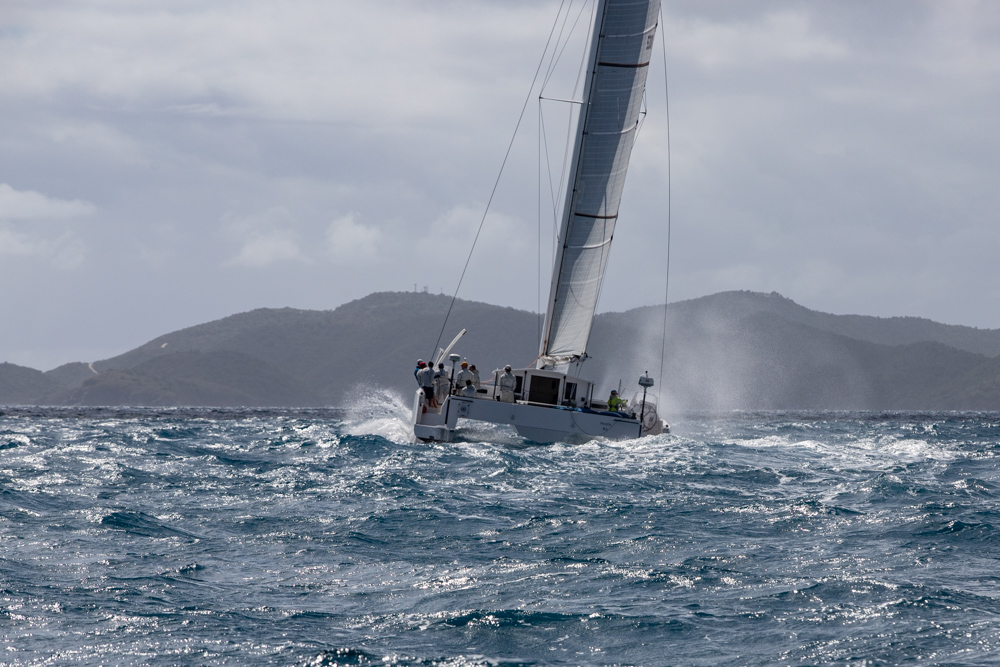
<point x="626" y="345"/>
<point x="771" y="361"/>
<point x="713" y="365"/>
<point x="733" y="351"/>
<point x="375" y="410"/>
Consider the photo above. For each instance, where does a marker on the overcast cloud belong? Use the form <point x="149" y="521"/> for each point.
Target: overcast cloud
<point x="167" y="163"/>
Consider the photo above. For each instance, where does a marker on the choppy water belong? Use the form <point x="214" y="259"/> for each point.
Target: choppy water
<point x="323" y="537"/>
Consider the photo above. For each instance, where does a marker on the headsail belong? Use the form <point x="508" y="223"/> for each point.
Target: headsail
<point x="620" y="50"/>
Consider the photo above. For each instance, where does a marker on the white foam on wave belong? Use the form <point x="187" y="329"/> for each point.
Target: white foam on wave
<point x="378" y="411"/>
<point x="651" y="453"/>
<point x="485" y="432"/>
<point x="884" y="450"/>
<point x="912" y="449"/>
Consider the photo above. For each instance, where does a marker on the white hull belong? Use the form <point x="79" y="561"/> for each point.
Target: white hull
<point x="539" y="423"/>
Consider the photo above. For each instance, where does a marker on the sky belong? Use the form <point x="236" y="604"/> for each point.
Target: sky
<point x="163" y="164"/>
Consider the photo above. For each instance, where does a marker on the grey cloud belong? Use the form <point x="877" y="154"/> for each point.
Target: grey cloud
<point x="28" y="204"/>
<point x="841" y="154"/>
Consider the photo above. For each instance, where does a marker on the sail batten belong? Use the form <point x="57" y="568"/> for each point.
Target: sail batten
<point x="646" y="64"/>
<point x="620" y="51"/>
<point x="591" y="246"/>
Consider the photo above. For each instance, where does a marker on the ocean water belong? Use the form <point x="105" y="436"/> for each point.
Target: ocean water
<point x="323" y="537"/>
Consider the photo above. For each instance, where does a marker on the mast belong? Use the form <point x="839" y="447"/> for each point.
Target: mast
<point x="620" y="47"/>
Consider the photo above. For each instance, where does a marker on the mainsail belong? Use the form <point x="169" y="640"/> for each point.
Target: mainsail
<point x="620" y="50"/>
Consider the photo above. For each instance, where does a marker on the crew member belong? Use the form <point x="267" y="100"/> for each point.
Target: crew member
<point x="442" y="384"/>
<point x="463" y="375"/>
<point x="416" y="371"/>
<point x="475" y="376"/>
<point x="507" y="385"/>
<point x="468" y="391"/>
<point x="615" y="402"/>
<point x="426" y="376"/>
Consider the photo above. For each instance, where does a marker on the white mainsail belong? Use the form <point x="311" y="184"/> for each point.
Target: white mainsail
<point x="620" y="50"/>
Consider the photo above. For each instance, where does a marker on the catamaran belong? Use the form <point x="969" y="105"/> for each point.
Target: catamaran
<point x="551" y="402"/>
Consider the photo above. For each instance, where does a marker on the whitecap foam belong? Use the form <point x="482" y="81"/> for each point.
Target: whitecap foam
<point x="878" y="452"/>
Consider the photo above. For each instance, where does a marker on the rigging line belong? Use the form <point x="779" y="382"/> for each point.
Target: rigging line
<point x="538" y="245"/>
<point x="666" y="281"/>
<point x="548" y="161"/>
<point x="557" y="57"/>
<point x="562" y="29"/>
<point x="563" y="180"/>
<point x="493" y="192"/>
<point x="642" y="117"/>
<point x="557" y="99"/>
<point x="554" y="58"/>
<point x="558" y="195"/>
<point x="552" y="192"/>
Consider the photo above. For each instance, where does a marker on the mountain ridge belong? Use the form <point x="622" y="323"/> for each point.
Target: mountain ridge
<point x="731" y="350"/>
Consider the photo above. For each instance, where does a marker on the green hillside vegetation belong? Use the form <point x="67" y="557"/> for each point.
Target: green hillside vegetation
<point x="734" y="350"/>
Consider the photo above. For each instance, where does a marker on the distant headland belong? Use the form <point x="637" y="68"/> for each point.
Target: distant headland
<point x="727" y="351"/>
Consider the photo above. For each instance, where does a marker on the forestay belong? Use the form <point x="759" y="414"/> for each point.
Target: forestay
<point x="620" y="51"/>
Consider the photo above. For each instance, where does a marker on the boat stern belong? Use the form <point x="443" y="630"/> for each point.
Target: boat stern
<point x="430" y="424"/>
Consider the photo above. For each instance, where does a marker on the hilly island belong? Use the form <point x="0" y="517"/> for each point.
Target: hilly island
<point x="727" y="351"/>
